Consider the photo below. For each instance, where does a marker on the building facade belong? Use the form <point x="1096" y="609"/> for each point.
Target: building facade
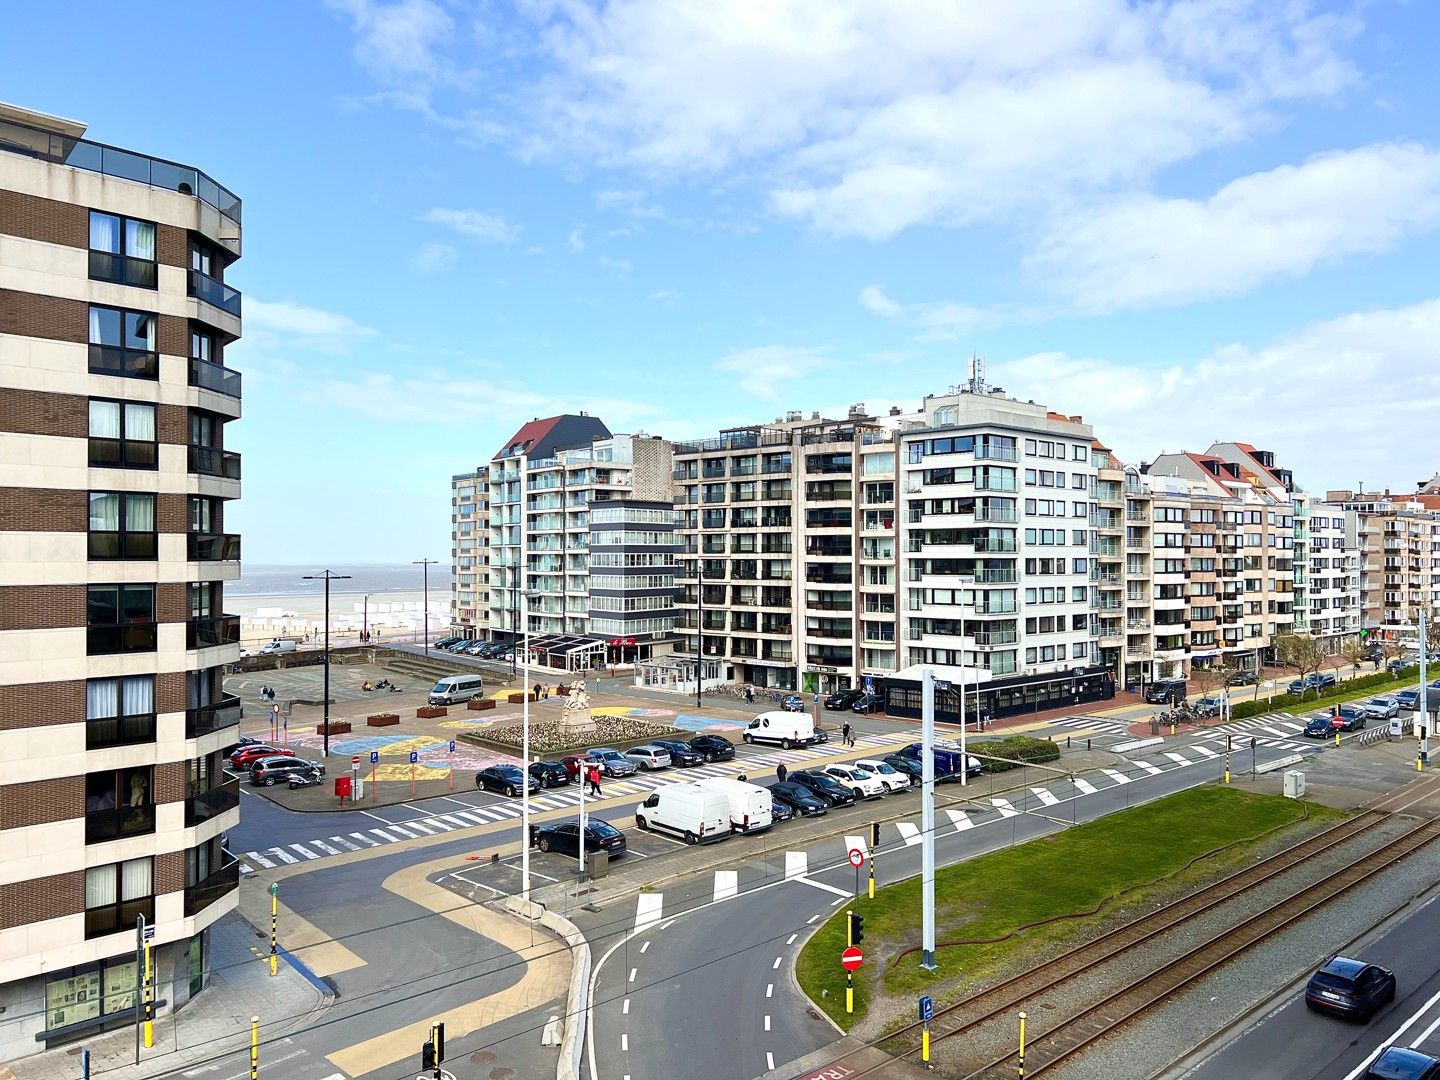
<point x="115" y="316"/>
<point x="1397" y="541"/>
<point x="470" y="553"/>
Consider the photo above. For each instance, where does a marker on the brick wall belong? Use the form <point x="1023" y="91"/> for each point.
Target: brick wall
<point x="40" y="899"/>
<point x="56" y="319"/>
<point x="47" y="220"/>
<point x="172" y="425"/>
<point x="41" y="802"/>
<point x="170" y="692"/>
<point x="33" y="412"/>
<point x="44" y="510"/>
<point x="172" y="781"/>
<point x="169" y="872"/>
<point x="41" y="607"/>
<point x="172" y="246"/>
<point x="42" y="704"/>
<point x="171" y="602"/>
<point x="172" y="513"/>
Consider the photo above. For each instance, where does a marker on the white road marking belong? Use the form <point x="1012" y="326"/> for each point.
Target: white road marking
<point x="770" y="990"/>
<point x="791" y="939"/>
<point x="821" y="885"/>
<point x="797" y="864"/>
<point x="303" y="850"/>
<point x="625" y="1008"/>
<point x="812" y="920"/>
<point x="1116" y="775"/>
<point x="420" y="825"/>
<point x="647" y="909"/>
<point x="377" y="817"/>
<point x="767" y="1021"/>
<point x="856" y="842"/>
<point x="727" y="884"/>
<point x="769" y="1061"/>
<point x="1204" y="751"/>
<point x="960" y="820"/>
<point x="776" y="965"/>
<point x="1083" y="786"/>
<point x="624" y="1041"/>
<point x="632" y="974"/>
<point x="1178" y="758"/>
<point x="366" y="839"/>
<point x="326" y="848"/>
<point x="1046" y="797"/>
<point x="1153" y="770"/>
<point x="395" y="829"/>
<point x="644" y="948"/>
<point x="1006" y="810"/>
<point x="452" y="819"/>
<point x="909" y="832"/>
<point x="256" y="857"/>
<point x="342" y="842"/>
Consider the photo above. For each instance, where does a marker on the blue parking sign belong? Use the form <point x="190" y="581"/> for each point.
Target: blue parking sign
<point x="374" y="757"/>
<point x="927" y="1008"/>
<point x="452" y="746"/>
<point x="414" y="757"/>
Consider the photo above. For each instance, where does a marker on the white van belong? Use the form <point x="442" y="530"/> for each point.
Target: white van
<point x="752" y="807"/>
<point x="691" y="812"/>
<point x="784" y="729"/>
<point x="453" y="689"/>
<point x="275" y="648"/>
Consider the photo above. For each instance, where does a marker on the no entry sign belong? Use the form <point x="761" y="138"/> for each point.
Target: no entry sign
<point x="857" y="858"/>
<point x="852" y="958"/>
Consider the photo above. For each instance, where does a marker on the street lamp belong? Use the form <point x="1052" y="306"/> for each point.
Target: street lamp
<point x="426" y="564"/>
<point x="365" y="620"/>
<point x="326" y="576"/>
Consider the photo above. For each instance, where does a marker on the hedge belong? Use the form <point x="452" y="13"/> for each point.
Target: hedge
<point x="1380" y="680"/>
<point x="1018" y="748"/>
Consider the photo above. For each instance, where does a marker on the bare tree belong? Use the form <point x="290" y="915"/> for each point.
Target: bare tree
<point x="1355" y="651"/>
<point x="1302" y="652"/>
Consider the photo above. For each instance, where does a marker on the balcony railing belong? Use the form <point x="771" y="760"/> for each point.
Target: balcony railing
<point x="213" y="547"/>
<point x="214" y="292"/>
<point x="101" y="732"/>
<point x="102" y="825"/>
<point x="210" y="376"/>
<point x="130" y="363"/>
<point x="209" y="632"/>
<point x="120" y="638"/>
<point x="208" y="804"/>
<point x="209" y="461"/>
<point x="218" y="885"/>
<point x="122" y="917"/>
<point x="216" y="716"/>
<point x="122" y="269"/>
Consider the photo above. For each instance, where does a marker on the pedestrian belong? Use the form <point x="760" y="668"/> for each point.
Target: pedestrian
<point x="537" y="691"/>
<point x="845" y="733"/>
<point x="781" y="772"/>
<point x="592" y="777"/>
<point x="750" y="694"/>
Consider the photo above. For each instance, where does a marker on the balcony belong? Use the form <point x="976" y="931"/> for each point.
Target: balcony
<point x="214" y="292"/>
<point x="984" y="451"/>
<point x="101" y="732"/>
<point x="118" y="823"/>
<point x="212" y="461"/>
<point x="220" y="799"/>
<point x="994" y="513"/>
<point x="129" y="363"/>
<point x="208" y="376"/>
<point x="207" y="633"/>
<point x="213" y="547"/>
<point x="120" y="638"/>
<point x="215" y="887"/>
<point x="205" y="719"/>
<point x="122" y="269"/>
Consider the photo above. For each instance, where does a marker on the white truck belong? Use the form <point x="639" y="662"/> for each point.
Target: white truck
<point x="752" y="807"/>
<point x="783" y="729"/>
<point x="277" y="647"/>
<point x="695" y="814"/>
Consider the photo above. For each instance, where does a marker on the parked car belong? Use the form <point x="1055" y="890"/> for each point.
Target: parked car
<point x="506" y="779"/>
<point x="783" y="729"/>
<point x="1242" y="678"/>
<point x="890" y="776"/>
<point x="1402" y="1063"/>
<point x="1325" y="679"/>
<point x="455" y="689"/>
<point x="1209" y="706"/>
<point x="1394" y="667"/>
<point x="1350" y="988"/>
<point x="866" y="785"/>
<point x="868" y="703"/>
<point x="278" y="647"/>
<point x="824" y="787"/>
<point x="713" y="747"/>
<point x="751" y="807"/>
<point x="844" y="699"/>
<point x="269" y="771"/>
<point x="1350" y="718"/>
<point x="911" y="767"/>
<point x="1382" y="708"/>
<point x="1166" y="692"/>
<point x="792" y="703"/>
<point x="563" y="837"/>
<point x="648" y="757"/>
<point x="681" y="756"/>
<point x="575" y="764"/>
<point x="445" y="642"/>
<point x="612" y="762"/>
<point x="780" y="811"/>
<point x="1318" y="726"/>
<point x="244" y="756"/>
<point x="550" y="774"/>
<point x="799" y="799"/>
<point x="1408" y="700"/>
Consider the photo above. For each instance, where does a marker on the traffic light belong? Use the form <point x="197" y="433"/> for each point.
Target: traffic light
<point x="1364" y="633"/>
<point x="439" y="1039"/>
<point x="855" y="928"/>
<point x="427" y="1056"/>
<point x="874" y="835"/>
<point x="432" y="1050"/>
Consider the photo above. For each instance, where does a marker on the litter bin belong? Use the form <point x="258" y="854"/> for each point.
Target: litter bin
<point x="342" y="787"/>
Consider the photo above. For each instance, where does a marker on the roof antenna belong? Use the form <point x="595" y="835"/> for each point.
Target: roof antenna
<point x="977" y="374"/>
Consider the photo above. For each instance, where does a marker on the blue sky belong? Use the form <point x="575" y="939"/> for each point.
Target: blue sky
<point x="1185" y="221"/>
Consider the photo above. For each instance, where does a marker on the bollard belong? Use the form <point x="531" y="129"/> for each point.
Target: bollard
<point x="254" y="1048"/>
<point x="495" y="858"/>
<point x="1067" y="742"/>
<point x="1087" y="744"/>
<point x="1022" y="1046"/>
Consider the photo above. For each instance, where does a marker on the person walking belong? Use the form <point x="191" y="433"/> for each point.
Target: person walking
<point x="592" y="777"/>
<point x="845" y="733"/>
<point x="781" y="772"/>
<point x="537" y="691"/>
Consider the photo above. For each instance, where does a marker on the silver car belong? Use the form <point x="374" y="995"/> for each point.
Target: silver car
<point x="1382" y="708"/>
<point x="648" y="757"/>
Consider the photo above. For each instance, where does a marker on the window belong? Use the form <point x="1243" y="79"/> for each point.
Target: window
<point x="122" y="250"/>
<point x="120" y="618"/>
<point x="122" y="525"/>
<point x="118" y="803"/>
<point x="122" y="435"/>
<point x="119" y="712"/>
<point x="117" y="895"/>
<point x="123" y="343"/>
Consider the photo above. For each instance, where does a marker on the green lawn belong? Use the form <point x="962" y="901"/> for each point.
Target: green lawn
<point x="991" y="897"/>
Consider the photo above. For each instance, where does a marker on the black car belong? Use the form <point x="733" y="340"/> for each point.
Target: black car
<point x="780" y="811"/>
<point x="797" y="799"/>
<point x="1351" y="718"/>
<point x="844" y="699"/>
<point x="823" y="787"/>
<point x="564" y="837"/>
<point x="269" y="771"/>
<point x="1319" y="727"/>
<point x="909" y="766"/>
<point x="713" y="747"/>
<point x="550" y="773"/>
<point x="1166" y="692"/>
<point x="1242" y="678"/>
<point x="1402" y="1063"/>
<point x="507" y="779"/>
<point x="868" y="703"/>
<point x="1350" y="988"/>
<point x="681" y="756"/>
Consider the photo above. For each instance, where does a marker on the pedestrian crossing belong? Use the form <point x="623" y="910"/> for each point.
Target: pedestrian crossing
<point x="1094" y="723"/>
<point x="551" y="799"/>
<point x="1269" y="729"/>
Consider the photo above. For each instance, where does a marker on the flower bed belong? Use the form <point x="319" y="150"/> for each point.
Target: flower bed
<point x="519" y="695"/>
<point x="382" y="719"/>
<point x="337" y="727"/>
<point x="552" y="737"/>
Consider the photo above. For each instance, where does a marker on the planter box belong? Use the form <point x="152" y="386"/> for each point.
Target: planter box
<point x="520" y="695"/>
<point x="562" y="691"/>
<point x="337" y="727"/>
<point x="382" y="720"/>
<point x="480" y="704"/>
<point x="430" y="712"/>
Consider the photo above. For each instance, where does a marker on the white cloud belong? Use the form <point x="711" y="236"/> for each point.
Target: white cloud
<point x="873" y="298"/>
<point x="620" y="266"/>
<point x="268" y="321"/>
<point x="576" y="240"/>
<point x="664" y="297"/>
<point x="434" y="258"/>
<point x="760" y="368"/>
<point x="397" y="40"/>
<point x="1143" y="250"/>
<point x="938" y="320"/>
<point x="633" y="203"/>
<point x="481" y="224"/>
<point x="1289" y="396"/>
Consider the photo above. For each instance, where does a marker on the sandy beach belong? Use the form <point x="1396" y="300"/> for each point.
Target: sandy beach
<point x="388" y="615"/>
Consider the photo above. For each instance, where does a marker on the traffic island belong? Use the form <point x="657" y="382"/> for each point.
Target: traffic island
<point x="555" y="737"/>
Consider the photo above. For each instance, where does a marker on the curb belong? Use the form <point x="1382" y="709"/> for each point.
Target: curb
<point x="571" y="1043"/>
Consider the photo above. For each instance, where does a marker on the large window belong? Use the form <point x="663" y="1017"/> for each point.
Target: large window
<point x="123" y="343"/>
<point x="119" y="803"/>
<point x="122" y="435"/>
<point x="122" y="250"/>
<point x="117" y="895"/>
<point x="120" y="618"/>
<point x="122" y="525"/>
<point x="119" y="712"/>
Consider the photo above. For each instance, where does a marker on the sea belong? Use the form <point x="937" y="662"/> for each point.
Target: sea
<point x="278" y="580"/>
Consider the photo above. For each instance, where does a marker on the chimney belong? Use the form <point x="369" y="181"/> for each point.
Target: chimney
<point x="815" y="415"/>
<point x="894" y="410"/>
<point x="857" y="410"/>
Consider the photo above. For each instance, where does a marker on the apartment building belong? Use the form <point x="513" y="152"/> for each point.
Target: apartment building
<point x="115" y="317"/>
<point x="469" y="553"/>
<point x="1397" y="541"/>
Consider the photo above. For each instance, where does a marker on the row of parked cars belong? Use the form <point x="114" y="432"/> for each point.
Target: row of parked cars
<point x="485" y="650"/>
<point x="268" y="765"/>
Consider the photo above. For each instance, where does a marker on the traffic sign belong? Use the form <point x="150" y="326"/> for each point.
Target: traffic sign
<point x="414" y="757"/>
<point x="857" y="858"/>
<point x="852" y="958"/>
<point x="927" y="1008"/>
<point x="452" y="746"/>
<point x="149" y="933"/>
<point x="374" y="757"/>
<point x="355" y="760"/>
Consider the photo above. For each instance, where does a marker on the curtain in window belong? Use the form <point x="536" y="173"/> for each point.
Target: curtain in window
<point x="140" y="240"/>
<point x="137" y="695"/>
<point x="101" y="699"/>
<point x="135" y="879"/>
<point x="104" y="326"/>
<point x="100" y="887"/>
<point x="140" y="513"/>
<point x="104" y="419"/>
<point x="105" y="512"/>
<point x="139" y="423"/>
<point x="105" y="233"/>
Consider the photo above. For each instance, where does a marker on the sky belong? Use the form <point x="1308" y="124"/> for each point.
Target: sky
<point x="1185" y="221"/>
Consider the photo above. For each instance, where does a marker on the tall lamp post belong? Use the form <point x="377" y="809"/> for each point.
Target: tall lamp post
<point x="425" y="564"/>
<point x="326" y="576"/>
<point x="365" y="619"/>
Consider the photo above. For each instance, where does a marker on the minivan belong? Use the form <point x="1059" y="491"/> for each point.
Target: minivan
<point x="693" y="813"/>
<point x="1166" y="692"/>
<point x="783" y="729"/>
<point x="277" y="647"/>
<point x="752" y="807"/>
<point x="453" y="689"/>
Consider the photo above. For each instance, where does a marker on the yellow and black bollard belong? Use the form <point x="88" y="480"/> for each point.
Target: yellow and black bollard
<point x="149" y="1000"/>
<point x="1022" y="1046"/>
<point x="254" y="1048"/>
<point x="274" y="941"/>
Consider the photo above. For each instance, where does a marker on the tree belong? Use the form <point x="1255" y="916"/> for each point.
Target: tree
<point x="1302" y="652"/>
<point x="1211" y="680"/>
<point x="1355" y="651"/>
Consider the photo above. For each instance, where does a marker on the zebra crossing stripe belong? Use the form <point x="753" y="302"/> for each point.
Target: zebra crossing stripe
<point x="1116" y="775"/>
<point x="304" y="851"/>
<point x="1153" y="770"/>
<point x="1006" y="810"/>
<point x="246" y="869"/>
<point x="1046" y="797"/>
<point x="647" y="909"/>
<point x="366" y="839"/>
<point x="256" y="857"/>
<point x="326" y="848"/>
<point x="960" y="820"/>
<point x="727" y="884"/>
<point x="1179" y="759"/>
<point x="1204" y="751"/>
<point x="422" y="826"/>
<point x="342" y="842"/>
<point x="856" y="843"/>
<point x="284" y="856"/>
<point x="385" y="835"/>
<point x="796" y="864"/>
<point x="452" y="819"/>
<point x="909" y="832"/>
<point x="1083" y="786"/>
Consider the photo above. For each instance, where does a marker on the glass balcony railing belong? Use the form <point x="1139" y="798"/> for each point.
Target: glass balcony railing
<point x="208" y="376"/>
<point x="120" y="638"/>
<point x="115" y="824"/>
<point x="121" y="917"/>
<point x="218" y="885"/>
<point x="210" y="461"/>
<point x="213" y="547"/>
<point x="128" y="363"/>
<point x="207" y="633"/>
<point x="204" y="719"/>
<point x="218" y="800"/>
<point x="214" y="292"/>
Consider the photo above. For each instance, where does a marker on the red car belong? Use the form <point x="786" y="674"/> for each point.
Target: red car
<point x="246" y="755"/>
<point x="574" y="763"/>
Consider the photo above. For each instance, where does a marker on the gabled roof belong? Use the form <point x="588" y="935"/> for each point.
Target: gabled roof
<point x="543" y="438"/>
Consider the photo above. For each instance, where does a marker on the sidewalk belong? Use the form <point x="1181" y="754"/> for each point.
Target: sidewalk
<point x="214" y="1024"/>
